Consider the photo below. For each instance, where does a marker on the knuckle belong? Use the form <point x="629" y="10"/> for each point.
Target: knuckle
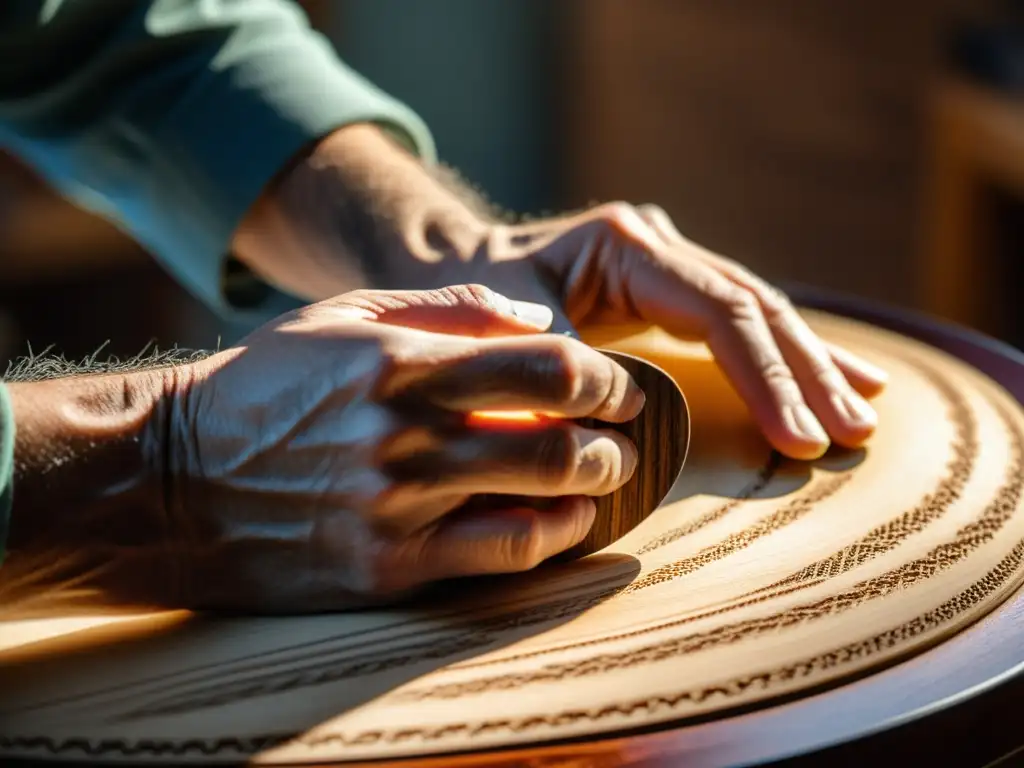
<point x="366" y="299"/>
<point x="617" y="214"/>
<point x="737" y="303"/>
<point x="359" y="296"/>
<point x="778" y="295"/>
<point x="778" y="373"/>
<point x="653" y="211"/>
<point x="480" y="293"/>
<point x="781" y="381"/>
<point x="524" y="550"/>
<point x="615" y="208"/>
<point x="617" y="466"/>
<point x="558" y="369"/>
<point x="468" y="293"/>
<point x="828" y="376"/>
<point x="611" y="384"/>
<point x="299" y="316"/>
<point x="777" y="307"/>
<point x="557" y="456"/>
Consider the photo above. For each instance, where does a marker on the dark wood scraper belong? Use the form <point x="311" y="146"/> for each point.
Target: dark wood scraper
<point x="661" y="434"/>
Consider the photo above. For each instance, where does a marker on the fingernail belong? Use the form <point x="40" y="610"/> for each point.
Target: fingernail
<point x="630" y="459"/>
<point x="856" y="409"/>
<point x="536" y="315"/>
<point x="807" y="424"/>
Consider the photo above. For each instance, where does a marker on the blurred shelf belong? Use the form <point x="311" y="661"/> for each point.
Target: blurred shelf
<point x="977" y="147"/>
<point x="787" y="136"/>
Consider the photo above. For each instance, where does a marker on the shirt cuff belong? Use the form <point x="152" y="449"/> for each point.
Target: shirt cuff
<point x="268" y="93"/>
<point x="6" y="467"/>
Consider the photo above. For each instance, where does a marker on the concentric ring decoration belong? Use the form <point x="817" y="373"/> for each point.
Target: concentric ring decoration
<point x="760" y="582"/>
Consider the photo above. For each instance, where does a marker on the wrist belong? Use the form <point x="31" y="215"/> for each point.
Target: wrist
<point x="358" y="211"/>
<point x="88" y="476"/>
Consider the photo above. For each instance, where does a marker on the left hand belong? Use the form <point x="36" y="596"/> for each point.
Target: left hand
<point x="620" y="263"/>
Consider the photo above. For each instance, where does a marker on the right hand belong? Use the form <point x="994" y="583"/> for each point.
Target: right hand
<point x="326" y="461"/>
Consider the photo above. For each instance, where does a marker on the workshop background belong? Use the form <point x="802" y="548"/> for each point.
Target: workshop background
<point x="874" y="147"/>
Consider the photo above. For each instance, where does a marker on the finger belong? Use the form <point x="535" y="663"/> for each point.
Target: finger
<point x="463" y="310"/>
<point x="503" y="540"/>
<point x="745" y="349"/>
<point x="686" y="296"/>
<point x="410" y="509"/>
<point x="869" y="380"/>
<point x="844" y="413"/>
<point x="847" y="416"/>
<point x="557" y="458"/>
<point x="866" y="379"/>
<point x="550" y="374"/>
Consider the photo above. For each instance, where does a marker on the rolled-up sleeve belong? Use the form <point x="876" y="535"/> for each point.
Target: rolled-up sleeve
<point x="170" y="118"/>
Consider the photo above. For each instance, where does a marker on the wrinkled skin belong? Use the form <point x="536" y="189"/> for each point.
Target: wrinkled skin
<point x="347" y="484"/>
<point x="620" y="263"/>
<point x="358" y="203"/>
<point x="324" y="463"/>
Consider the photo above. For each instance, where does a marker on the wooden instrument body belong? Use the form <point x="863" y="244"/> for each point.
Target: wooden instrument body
<point x="958" y="704"/>
<point x="914" y="708"/>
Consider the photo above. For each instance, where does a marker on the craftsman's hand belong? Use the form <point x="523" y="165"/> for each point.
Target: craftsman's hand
<point x="360" y="209"/>
<point x="326" y="460"/>
<point x="620" y="263"/>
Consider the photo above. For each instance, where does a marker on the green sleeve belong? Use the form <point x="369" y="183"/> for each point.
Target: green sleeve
<point x="170" y="117"/>
<point x="6" y="465"/>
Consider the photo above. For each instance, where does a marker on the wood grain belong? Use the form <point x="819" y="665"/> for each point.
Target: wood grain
<point x="774" y="608"/>
<point x="661" y="434"/>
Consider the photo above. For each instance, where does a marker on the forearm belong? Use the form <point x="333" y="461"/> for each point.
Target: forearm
<point x="171" y="118"/>
<point x="360" y="211"/>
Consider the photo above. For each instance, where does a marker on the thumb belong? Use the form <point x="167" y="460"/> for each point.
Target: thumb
<point x="461" y="310"/>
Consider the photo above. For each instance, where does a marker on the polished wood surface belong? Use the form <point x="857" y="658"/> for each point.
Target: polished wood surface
<point x="956" y="704"/>
<point x="913" y="691"/>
